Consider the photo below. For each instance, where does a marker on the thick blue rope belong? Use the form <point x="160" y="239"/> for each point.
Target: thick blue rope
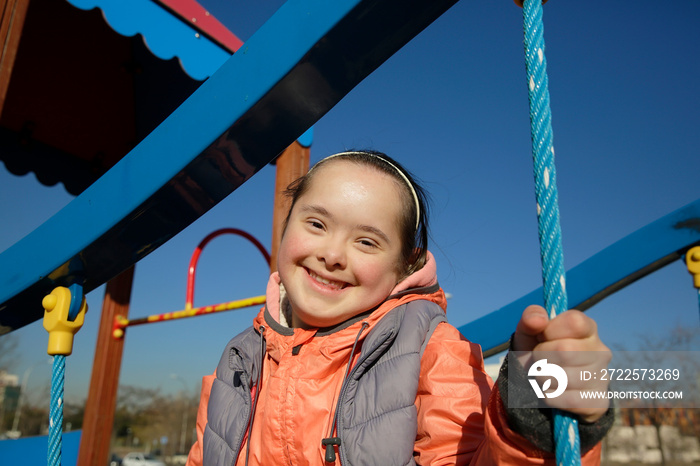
<point x="58" y="376"/>
<point x="568" y="450"/>
<point x="56" y="413"/>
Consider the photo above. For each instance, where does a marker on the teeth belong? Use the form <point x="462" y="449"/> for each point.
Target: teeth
<point x="333" y="284"/>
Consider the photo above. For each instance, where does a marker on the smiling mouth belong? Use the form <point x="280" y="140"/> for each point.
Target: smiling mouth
<point x="328" y="283"/>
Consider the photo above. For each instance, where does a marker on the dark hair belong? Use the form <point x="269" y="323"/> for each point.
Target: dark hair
<point x="414" y="225"/>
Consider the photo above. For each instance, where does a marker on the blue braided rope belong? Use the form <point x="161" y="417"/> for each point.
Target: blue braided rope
<point x="56" y="413"/>
<point x="58" y="377"/>
<point x="568" y="450"/>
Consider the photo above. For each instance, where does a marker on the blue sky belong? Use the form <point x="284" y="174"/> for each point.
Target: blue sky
<point x="452" y="107"/>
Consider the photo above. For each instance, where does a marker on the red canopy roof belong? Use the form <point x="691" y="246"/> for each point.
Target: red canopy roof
<point x="80" y="96"/>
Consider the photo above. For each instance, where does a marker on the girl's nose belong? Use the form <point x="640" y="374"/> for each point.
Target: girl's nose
<point x="332" y="254"/>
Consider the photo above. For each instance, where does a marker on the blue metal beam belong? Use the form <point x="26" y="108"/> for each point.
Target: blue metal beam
<point x="306" y="58"/>
<point x="624" y="262"/>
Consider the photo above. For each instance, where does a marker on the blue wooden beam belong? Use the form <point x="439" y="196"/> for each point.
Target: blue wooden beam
<point x="306" y="58"/>
<point x="624" y="262"/>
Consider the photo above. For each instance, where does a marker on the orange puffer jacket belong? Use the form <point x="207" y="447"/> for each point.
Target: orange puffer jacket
<point x="461" y="419"/>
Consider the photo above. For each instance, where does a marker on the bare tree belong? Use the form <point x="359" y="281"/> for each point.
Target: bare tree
<point x="654" y="352"/>
<point x="145" y="417"/>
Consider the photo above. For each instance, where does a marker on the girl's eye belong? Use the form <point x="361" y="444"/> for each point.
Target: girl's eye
<point x="315" y="224"/>
<point x="368" y="243"/>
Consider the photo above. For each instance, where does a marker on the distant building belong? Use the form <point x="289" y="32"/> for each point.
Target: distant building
<point x="9" y="396"/>
<point x="6" y="379"/>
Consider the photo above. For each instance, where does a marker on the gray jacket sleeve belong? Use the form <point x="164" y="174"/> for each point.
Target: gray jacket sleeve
<point x="536" y="424"/>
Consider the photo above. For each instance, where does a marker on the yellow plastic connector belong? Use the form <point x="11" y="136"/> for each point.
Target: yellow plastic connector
<point x="119" y="326"/>
<point x="692" y="260"/>
<point x="61" y="330"/>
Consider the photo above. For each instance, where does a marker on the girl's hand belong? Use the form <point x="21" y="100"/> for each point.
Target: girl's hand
<point x="574" y="337"/>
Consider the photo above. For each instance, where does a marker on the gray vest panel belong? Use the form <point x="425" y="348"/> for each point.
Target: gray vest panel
<point x="230" y="400"/>
<point x="378" y="419"/>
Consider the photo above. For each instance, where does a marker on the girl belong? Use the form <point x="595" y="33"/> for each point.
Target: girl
<point x="352" y="361"/>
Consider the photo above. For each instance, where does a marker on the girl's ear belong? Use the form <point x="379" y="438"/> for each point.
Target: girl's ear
<point x="418" y="259"/>
<point x="402" y="270"/>
<point x="413" y="260"/>
<point x="414" y="263"/>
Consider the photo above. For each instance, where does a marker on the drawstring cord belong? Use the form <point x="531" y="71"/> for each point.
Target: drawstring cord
<point x="263" y="348"/>
<point x="331" y="441"/>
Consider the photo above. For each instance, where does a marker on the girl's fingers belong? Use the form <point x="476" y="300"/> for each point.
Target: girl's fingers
<point x="528" y="333"/>
<point x="570" y="324"/>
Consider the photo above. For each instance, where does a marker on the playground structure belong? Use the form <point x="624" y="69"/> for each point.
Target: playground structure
<point x="671" y="236"/>
<point x="121" y="322"/>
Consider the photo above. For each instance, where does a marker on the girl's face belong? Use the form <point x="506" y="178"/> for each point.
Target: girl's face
<point x="340" y="253"/>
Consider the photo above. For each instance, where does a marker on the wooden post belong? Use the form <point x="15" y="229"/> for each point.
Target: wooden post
<point x="102" y="396"/>
<point x="11" y="24"/>
<point x="291" y="164"/>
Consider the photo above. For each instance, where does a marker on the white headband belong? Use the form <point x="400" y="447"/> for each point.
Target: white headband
<point x="401" y="173"/>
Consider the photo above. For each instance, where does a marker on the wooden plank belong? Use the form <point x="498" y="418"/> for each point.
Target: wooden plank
<point x="13" y="13"/>
<point x="104" y="382"/>
<point x="291" y="164"/>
